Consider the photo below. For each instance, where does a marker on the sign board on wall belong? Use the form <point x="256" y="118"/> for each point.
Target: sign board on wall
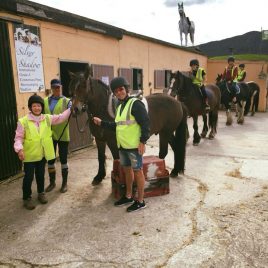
<point x="29" y="58"/>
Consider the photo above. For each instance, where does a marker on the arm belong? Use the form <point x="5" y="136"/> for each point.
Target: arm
<point x="142" y="118"/>
<point x="104" y="124"/>
<point x="60" y="118"/>
<point x="19" y="138"/>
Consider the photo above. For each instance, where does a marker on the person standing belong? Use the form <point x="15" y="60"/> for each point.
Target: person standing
<point x="56" y="104"/>
<point x="241" y="76"/>
<point x="33" y="144"/>
<point x="198" y="76"/>
<point x="230" y="76"/>
<point x="132" y="131"/>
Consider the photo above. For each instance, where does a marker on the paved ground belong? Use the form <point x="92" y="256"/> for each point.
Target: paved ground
<point x="216" y="215"/>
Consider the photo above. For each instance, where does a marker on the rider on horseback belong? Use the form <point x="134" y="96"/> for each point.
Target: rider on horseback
<point x="230" y="76"/>
<point x="241" y="73"/>
<point x="198" y="76"/>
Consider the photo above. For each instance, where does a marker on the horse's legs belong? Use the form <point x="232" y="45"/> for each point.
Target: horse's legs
<point x="240" y="119"/>
<point x="196" y="134"/>
<point x="186" y="40"/>
<point x="179" y="147"/>
<point x="101" y="146"/>
<point x="112" y="145"/>
<point x="163" y="145"/>
<point x="205" y="126"/>
<point x="213" y="121"/>
<point x="229" y="119"/>
<point x="181" y="37"/>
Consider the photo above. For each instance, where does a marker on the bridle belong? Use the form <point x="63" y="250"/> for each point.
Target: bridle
<point x="84" y="107"/>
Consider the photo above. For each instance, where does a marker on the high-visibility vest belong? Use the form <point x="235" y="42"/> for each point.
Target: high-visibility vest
<point x="198" y="79"/>
<point x="240" y="74"/>
<point x="37" y="144"/>
<point x="57" y="130"/>
<point x="128" y="131"/>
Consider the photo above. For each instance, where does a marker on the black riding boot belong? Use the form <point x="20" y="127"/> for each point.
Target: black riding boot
<point x="52" y="179"/>
<point x="64" y="173"/>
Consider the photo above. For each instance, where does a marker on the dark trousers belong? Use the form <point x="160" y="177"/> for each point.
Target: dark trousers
<point x="30" y="169"/>
<point x="203" y="92"/>
<point x="63" y="152"/>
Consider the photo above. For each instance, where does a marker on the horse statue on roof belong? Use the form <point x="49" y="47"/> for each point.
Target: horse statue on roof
<point x="185" y="25"/>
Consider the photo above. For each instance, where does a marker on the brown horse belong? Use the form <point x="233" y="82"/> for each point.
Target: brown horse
<point x="183" y="87"/>
<point x="168" y="118"/>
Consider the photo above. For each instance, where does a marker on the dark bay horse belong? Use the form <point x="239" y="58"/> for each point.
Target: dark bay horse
<point x="226" y="99"/>
<point x="168" y="118"/>
<point x="183" y="87"/>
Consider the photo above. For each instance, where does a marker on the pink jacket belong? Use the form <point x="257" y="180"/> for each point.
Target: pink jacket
<point x="55" y="119"/>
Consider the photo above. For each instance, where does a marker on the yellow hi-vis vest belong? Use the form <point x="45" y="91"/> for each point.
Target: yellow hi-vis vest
<point x="128" y="131"/>
<point x="37" y="144"/>
<point x="198" y="79"/>
<point x="240" y="74"/>
<point x="60" y="107"/>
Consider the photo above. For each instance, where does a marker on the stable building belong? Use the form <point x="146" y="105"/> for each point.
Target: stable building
<point x="39" y="43"/>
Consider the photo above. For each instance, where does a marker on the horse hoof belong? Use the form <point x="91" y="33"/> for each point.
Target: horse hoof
<point x="96" y="182"/>
<point x="211" y="137"/>
<point x="195" y="143"/>
<point x="203" y="135"/>
<point x="173" y="174"/>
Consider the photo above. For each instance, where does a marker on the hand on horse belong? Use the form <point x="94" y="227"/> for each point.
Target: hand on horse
<point x="97" y="121"/>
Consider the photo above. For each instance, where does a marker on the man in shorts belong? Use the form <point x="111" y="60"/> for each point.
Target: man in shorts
<point x="132" y="131"/>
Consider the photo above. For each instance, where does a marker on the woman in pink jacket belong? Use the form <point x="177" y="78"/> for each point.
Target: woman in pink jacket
<point x="34" y="146"/>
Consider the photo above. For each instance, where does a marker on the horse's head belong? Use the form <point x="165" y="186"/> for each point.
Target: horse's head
<point x="80" y="89"/>
<point x="218" y="78"/>
<point x="175" y="84"/>
<point x="180" y="8"/>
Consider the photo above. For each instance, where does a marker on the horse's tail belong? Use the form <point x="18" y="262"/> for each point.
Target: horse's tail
<point x="180" y="141"/>
<point x="256" y="98"/>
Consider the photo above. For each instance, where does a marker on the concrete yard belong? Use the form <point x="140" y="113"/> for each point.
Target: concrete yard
<point x="216" y="215"/>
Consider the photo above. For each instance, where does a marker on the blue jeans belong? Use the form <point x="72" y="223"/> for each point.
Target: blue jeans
<point x="130" y="158"/>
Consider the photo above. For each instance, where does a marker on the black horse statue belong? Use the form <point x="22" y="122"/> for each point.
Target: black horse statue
<point x="168" y="118"/>
<point x="227" y="96"/>
<point x="253" y="100"/>
<point x="182" y="86"/>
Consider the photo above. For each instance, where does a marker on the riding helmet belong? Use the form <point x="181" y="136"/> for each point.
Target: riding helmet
<point x="119" y="82"/>
<point x="35" y="99"/>
<point x="242" y="65"/>
<point x="194" y="62"/>
<point x="231" y="58"/>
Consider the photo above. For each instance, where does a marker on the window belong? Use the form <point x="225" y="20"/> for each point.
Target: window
<point x="161" y="78"/>
<point x="103" y="72"/>
<point x="134" y="76"/>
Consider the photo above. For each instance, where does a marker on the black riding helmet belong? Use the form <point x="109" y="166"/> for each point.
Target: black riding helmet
<point x="194" y="62"/>
<point x="242" y="65"/>
<point x="35" y="99"/>
<point x="231" y="59"/>
<point x="119" y="82"/>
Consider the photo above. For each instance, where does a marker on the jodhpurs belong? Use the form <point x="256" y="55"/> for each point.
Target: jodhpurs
<point x="63" y="152"/>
